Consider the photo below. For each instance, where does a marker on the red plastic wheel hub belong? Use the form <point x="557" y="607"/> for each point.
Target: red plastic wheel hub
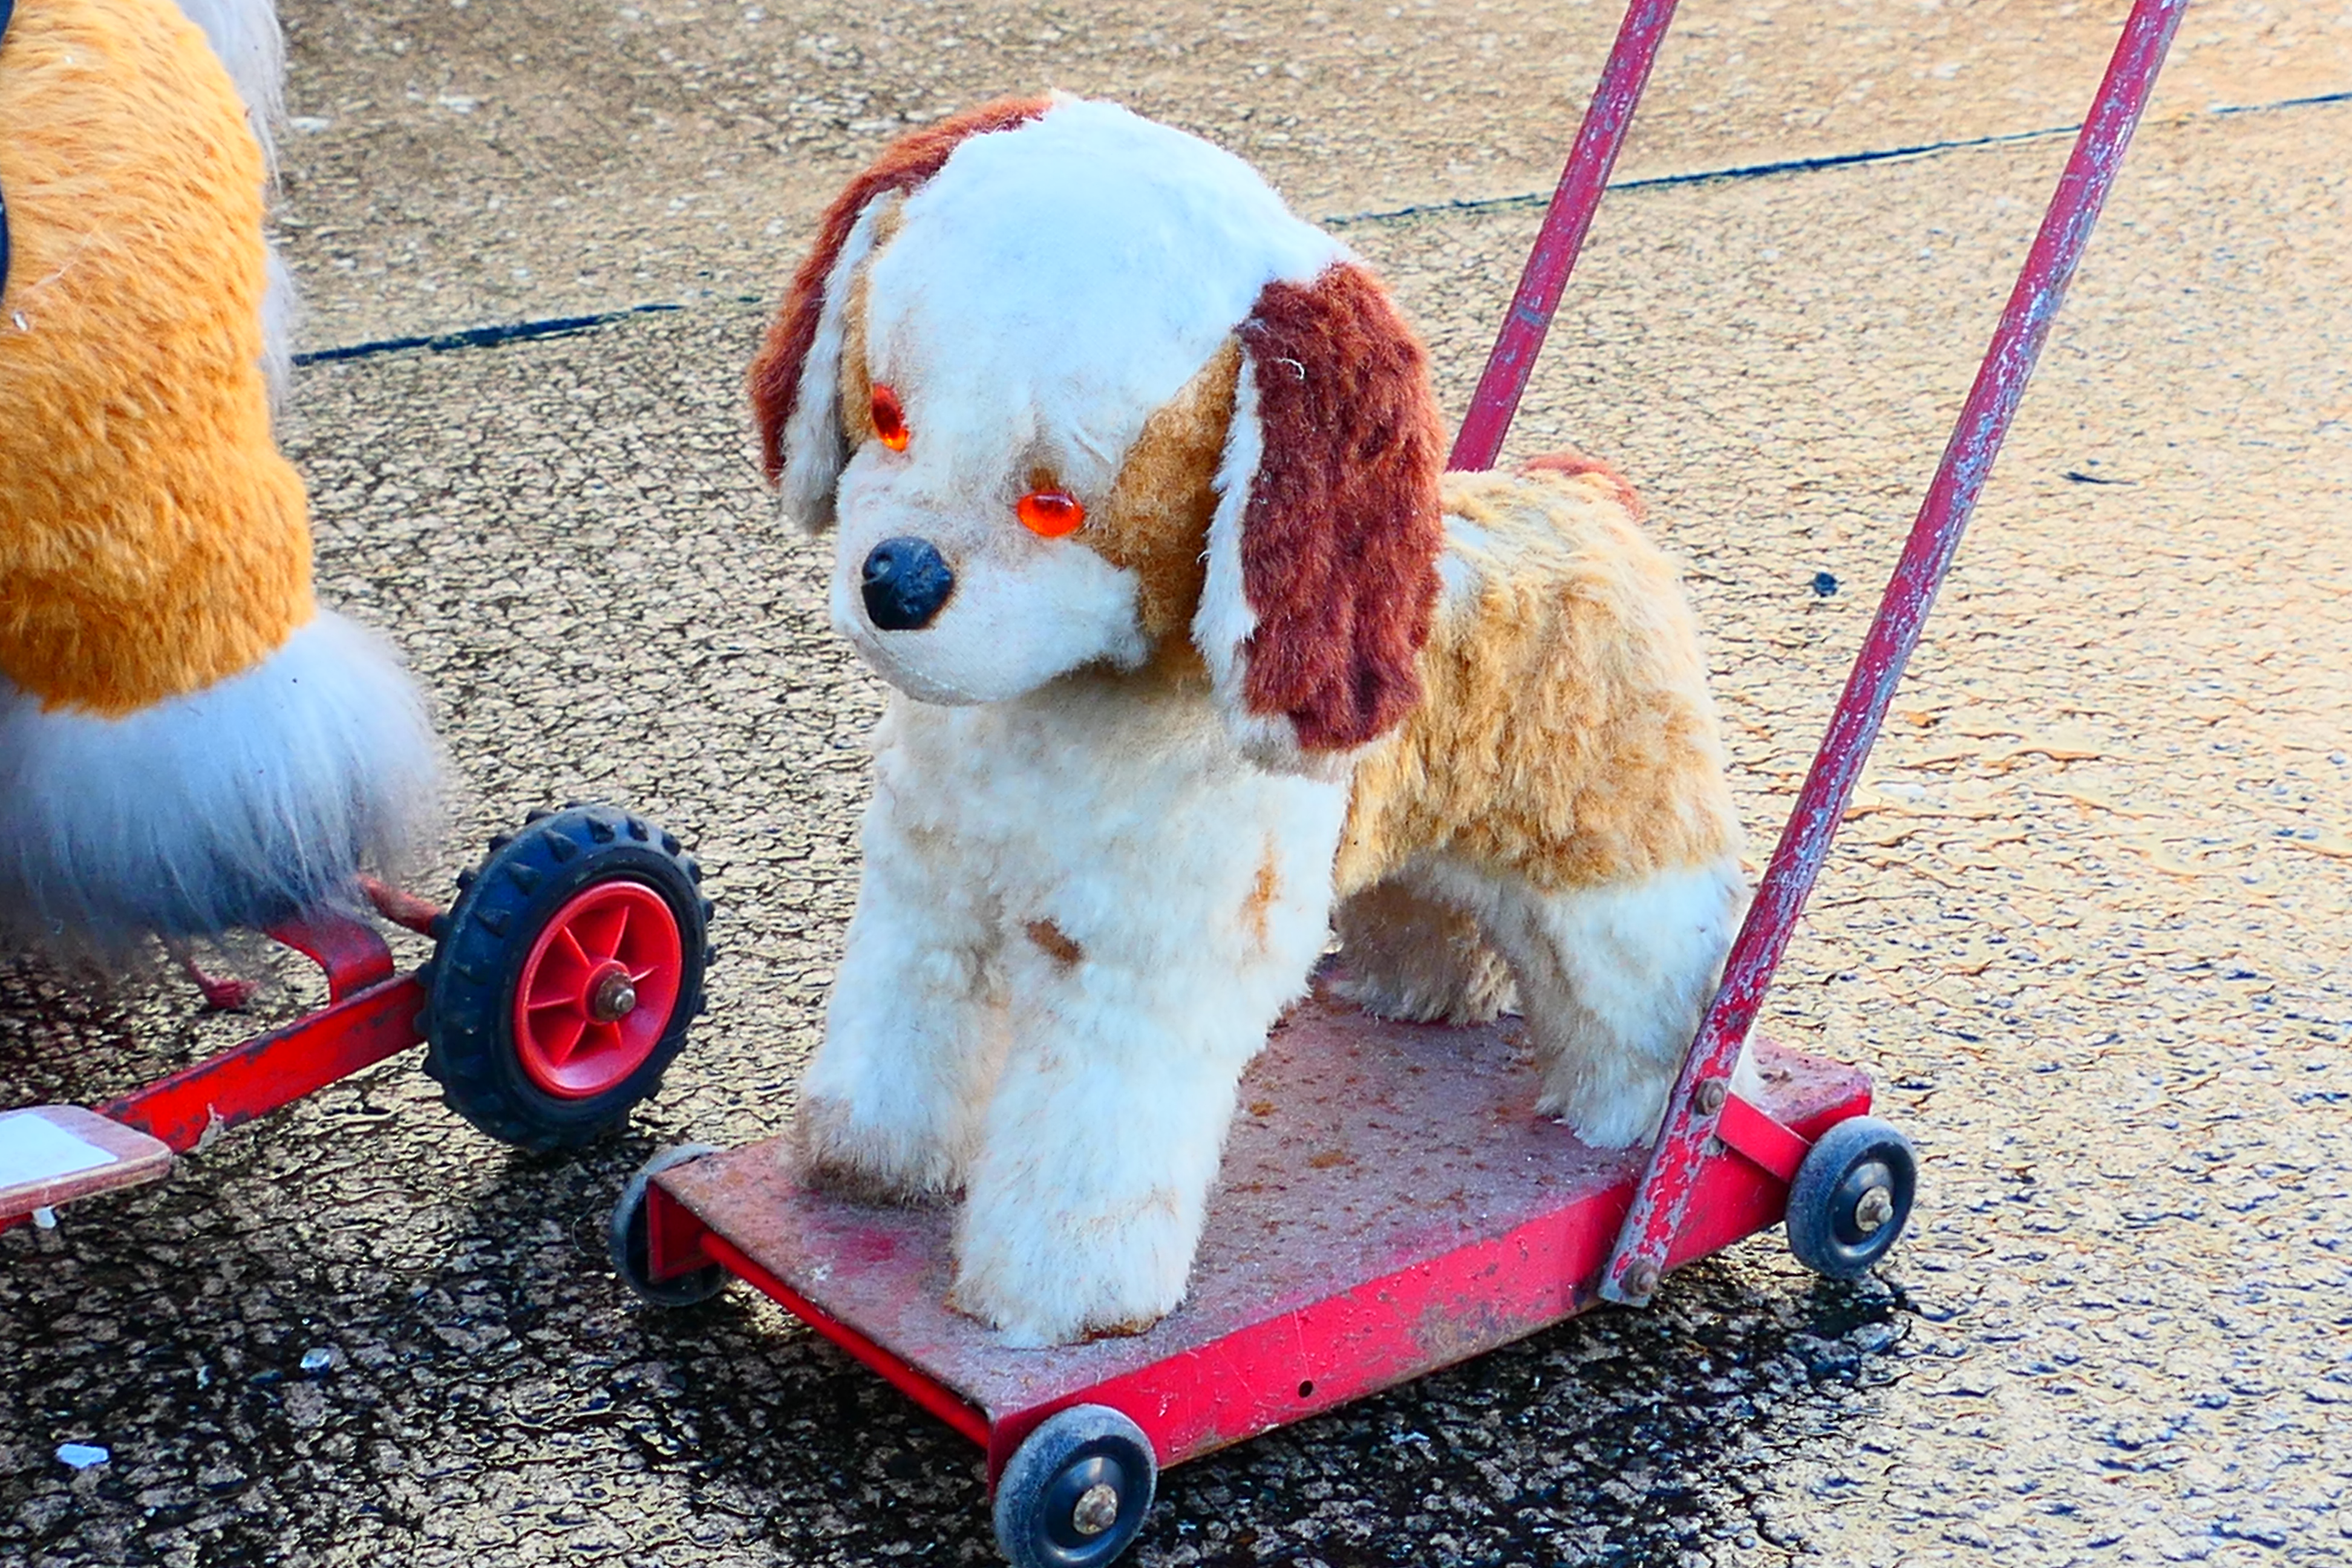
<point x="597" y="989"/>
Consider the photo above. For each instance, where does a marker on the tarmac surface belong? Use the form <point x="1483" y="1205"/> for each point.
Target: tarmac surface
<point x="2087" y="924"/>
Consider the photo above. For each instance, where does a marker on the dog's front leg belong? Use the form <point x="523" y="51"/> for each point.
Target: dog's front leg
<point x="1086" y="1199"/>
<point x="892" y="1102"/>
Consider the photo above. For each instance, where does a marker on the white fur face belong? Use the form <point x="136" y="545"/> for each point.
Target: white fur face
<point x="1037" y="302"/>
<point x="1023" y="609"/>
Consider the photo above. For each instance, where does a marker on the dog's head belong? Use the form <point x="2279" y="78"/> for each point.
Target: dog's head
<point x="1077" y="389"/>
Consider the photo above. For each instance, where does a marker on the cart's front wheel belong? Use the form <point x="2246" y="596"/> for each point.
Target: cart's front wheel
<point x="1074" y="1492"/>
<point x="1851" y="1197"/>
<point x="564" y="981"/>
<point x="630" y="1239"/>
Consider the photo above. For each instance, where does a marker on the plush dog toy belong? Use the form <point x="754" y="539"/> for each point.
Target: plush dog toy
<point x="1135" y="480"/>
<point x="188" y="743"/>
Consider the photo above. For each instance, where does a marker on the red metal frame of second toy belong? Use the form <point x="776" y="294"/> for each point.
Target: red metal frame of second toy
<point x="1408" y="1285"/>
<point x="562" y="984"/>
<point x="372" y="1013"/>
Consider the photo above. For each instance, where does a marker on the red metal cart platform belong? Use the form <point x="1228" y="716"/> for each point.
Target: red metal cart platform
<point x="1389" y="1203"/>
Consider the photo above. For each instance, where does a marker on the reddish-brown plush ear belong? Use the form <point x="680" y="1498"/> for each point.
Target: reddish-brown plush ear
<point x="783" y="374"/>
<point x="1322" y="570"/>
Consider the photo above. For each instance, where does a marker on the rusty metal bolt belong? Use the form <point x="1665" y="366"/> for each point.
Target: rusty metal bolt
<point x="1097" y="1509"/>
<point x="1711" y="1096"/>
<point x="1642" y="1279"/>
<point x="613" y="999"/>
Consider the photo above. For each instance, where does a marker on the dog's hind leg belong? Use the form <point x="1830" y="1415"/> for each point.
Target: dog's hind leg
<point x="1408" y="956"/>
<point x="891" y="1103"/>
<point x="1612" y="979"/>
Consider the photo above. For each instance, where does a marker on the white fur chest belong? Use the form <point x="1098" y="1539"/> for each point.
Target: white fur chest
<point x="1132" y="824"/>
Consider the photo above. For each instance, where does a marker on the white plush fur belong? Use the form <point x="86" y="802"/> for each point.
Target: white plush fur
<point x="281" y="312"/>
<point x="1024" y="609"/>
<point x="1081" y="1102"/>
<point x="232" y="806"/>
<point x="1055" y="284"/>
<point x="1006" y="356"/>
<point x="1612" y="979"/>
<point x="813" y="444"/>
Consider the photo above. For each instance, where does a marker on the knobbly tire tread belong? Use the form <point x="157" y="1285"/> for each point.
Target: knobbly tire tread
<point x="503" y="906"/>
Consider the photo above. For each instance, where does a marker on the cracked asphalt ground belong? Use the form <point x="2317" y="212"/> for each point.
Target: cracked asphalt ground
<point x="2087" y="925"/>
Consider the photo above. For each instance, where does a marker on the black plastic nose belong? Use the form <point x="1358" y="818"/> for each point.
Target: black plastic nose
<point x="906" y="582"/>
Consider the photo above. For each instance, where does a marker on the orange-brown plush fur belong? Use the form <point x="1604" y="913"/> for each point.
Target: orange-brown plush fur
<point x="1133" y="759"/>
<point x="1556" y="722"/>
<point x="152" y="539"/>
<point x="1156" y="522"/>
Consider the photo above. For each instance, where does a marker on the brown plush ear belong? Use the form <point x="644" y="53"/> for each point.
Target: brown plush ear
<point x="1323" y="554"/>
<point x="798" y="361"/>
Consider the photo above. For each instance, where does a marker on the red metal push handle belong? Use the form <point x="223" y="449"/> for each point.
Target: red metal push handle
<point x="1667" y="1182"/>
<point x="1562" y="237"/>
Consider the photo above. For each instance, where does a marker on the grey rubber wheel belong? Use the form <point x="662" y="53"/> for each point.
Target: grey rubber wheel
<point x="1851" y="1197"/>
<point x="1073" y="1495"/>
<point x="627" y="1240"/>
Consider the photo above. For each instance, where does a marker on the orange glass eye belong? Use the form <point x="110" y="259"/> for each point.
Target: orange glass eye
<point x="889" y="419"/>
<point x="1052" y="513"/>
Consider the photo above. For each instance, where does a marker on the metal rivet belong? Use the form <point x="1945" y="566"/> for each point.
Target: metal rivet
<point x="1098" y="1510"/>
<point x="1873" y="1209"/>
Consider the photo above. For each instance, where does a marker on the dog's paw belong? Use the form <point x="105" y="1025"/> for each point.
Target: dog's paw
<point x="834" y="1151"/>
<point x="1058" y="1280"/>
<point x="1626" y="1109"/>
<point x="1618" y="1114"/>
<point x="1475" y="993"/>
<point x="1410" y="957"/>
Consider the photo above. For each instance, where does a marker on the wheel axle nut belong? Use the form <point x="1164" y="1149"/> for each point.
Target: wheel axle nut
<point x="1097" y="1509"/>
<point x="1873" y="1209"/>
<point x="613" y="999"/>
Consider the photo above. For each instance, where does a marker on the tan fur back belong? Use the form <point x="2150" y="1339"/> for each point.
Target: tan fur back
<point x="1565" y="730"/>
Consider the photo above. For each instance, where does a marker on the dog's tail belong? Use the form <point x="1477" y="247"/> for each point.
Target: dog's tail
<point x="1570" y="464"/>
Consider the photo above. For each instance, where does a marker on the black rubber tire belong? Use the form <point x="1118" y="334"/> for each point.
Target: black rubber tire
<point x="479" y="951"/>
<point x="1038" y="1495"/>
<point x="626" y="1238"/>
<point x="1825" y="1230"/>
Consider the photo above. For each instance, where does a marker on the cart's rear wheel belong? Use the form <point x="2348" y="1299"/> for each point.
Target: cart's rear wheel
<point x="1074" y="1492"/>
<point x="630" y="1241"/>
<point x="565" y="979"/>
<point x="1851" y="1197"/>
